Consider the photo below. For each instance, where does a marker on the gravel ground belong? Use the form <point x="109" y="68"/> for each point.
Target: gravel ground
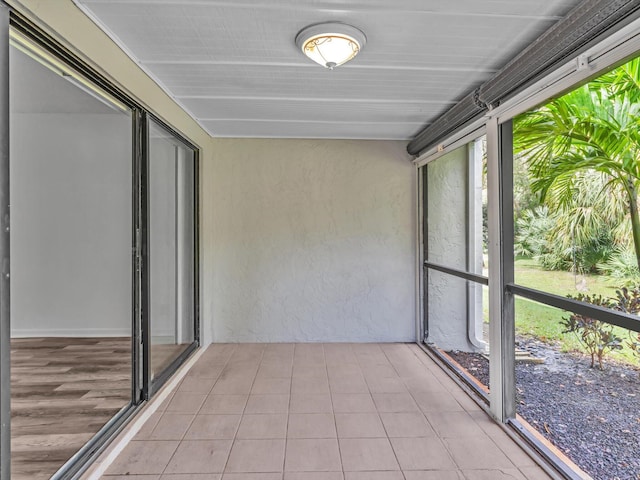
<point x="592" y="416"/>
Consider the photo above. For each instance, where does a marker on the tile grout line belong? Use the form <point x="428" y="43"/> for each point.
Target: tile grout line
<point x="382" y="422"/>
<point x="139" y="421"/>
<point x="197" y="412"/>
<point x="391" y="355"/>
<point x="194" y="414"/>
<point x="286" y="430"/>
<point x="442" y="439"/>
<point x="333" y="413"/>
<point x="235" y="437"/>
<point x="438" y="436"/>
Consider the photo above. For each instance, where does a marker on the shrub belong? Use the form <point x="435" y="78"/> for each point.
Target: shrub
<point x="623" y="266"/>
<point x="532" y="229"/>
<point x="547" y="237"/>
<point x="628" y="301"/>
<point x="597" y="337"/>
<point x="634" y="342"/>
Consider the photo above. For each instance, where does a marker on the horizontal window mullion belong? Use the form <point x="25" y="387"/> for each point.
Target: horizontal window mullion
<point x="620" y="319"/>
<point x="458" y="273"/>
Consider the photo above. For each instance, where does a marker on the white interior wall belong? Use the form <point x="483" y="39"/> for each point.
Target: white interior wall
<point x="70" y="224"/>
<point x="313" y="241"/>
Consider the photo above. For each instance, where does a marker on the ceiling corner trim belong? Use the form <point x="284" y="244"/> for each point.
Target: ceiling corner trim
<point x="122" y="46"/>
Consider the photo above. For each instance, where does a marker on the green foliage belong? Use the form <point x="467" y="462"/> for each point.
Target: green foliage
<point x="524" y="198"/>
<point x="543" y="236"/>
<point x="598" y="338"/>
<point x="531" y="232"/>
<point x="543" y="322"/>
<point x="634" y="343"/>
<point x="582" y="153"/>
<point x="628" y="300"/>
<point x="577" y="175"/>
<point x="622" y="266"/>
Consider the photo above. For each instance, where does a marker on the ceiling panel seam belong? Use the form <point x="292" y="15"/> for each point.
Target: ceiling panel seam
<point x="317" y="99"/>
<point x="295" y="120"/>
<point x="314" y="8"/>
<point x="115" y="39"/>
<point x="314" y="67"/>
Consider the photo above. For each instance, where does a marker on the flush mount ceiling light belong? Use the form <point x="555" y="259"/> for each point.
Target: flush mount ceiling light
<point x="330" y="44"/>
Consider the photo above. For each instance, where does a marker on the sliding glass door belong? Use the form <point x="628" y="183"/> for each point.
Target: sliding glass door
<point x="71" y="267"/>
<point x="104" y="280"/>
<point x="171" y="248"/>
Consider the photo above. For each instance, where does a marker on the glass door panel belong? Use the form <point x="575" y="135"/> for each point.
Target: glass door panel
<point x="171" y="247"/>
<point x="71" y="263"/>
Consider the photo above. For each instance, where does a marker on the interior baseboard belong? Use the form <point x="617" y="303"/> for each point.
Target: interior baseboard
<point x="68" y="332"/>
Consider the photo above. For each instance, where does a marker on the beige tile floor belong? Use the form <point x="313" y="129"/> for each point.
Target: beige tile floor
<point x="320" y="412"/>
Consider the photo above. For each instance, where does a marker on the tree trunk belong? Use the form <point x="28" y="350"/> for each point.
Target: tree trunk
<point x="635" y="219"/>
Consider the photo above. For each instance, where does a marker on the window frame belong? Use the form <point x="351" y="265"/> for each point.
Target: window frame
<point x="613" y="51"/>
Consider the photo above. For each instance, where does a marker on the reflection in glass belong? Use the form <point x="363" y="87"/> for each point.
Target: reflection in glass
<point x="171" y="247"/>
<point x="71" y="267"/>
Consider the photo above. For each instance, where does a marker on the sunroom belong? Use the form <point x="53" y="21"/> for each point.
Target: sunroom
<point x="228" y="254"/>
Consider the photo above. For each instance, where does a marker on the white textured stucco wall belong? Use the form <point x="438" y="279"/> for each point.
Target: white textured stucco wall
<point x="446" y="197"/>
<point x="453" y="301"/>
<point x="447" y="245"/>
<point x="313" y="241"/>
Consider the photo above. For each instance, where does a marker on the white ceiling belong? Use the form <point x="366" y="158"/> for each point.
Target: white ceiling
<point x="234" y="66"/>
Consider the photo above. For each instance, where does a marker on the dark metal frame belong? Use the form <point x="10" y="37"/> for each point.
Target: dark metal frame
<point x="473" y="277"/>
<point x="142" y="261"/>
<point x="425" y="249"/>
<point x="619" y="319"/>
<point x="5" y="312"/>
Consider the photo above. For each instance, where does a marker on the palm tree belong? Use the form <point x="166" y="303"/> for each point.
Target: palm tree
<point x="595" y="128"/>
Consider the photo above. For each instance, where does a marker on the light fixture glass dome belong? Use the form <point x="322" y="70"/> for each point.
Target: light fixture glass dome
<point x="330" y="44"/>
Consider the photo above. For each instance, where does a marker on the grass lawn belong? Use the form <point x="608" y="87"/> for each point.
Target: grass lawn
<point x="543" y="322"/>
